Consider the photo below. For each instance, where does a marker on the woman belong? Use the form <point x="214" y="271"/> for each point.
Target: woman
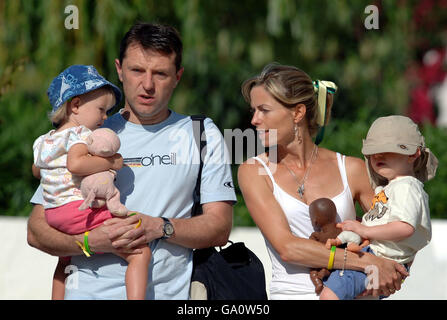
<point x="288" y="110"/>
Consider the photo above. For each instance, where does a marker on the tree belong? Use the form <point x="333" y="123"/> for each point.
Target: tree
<point x="225" y="42"/>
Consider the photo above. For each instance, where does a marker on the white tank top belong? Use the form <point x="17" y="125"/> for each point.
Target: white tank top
<point x="290" y="280"/>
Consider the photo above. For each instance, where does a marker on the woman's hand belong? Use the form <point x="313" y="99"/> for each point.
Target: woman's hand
<point x="384" y="276"/>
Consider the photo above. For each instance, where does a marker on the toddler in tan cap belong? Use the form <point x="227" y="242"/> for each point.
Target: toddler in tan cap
<point x="398" y="222"/>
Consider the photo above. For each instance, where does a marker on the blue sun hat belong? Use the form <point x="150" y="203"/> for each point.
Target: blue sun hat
<point x="77" y="80"/>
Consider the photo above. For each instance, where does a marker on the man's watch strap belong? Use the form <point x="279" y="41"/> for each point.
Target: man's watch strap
<point x="168" y="229"/>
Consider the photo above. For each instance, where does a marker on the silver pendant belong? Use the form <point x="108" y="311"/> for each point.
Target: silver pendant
<point x="301" y="190"/>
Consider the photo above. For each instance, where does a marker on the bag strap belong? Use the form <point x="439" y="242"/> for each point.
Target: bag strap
<point x="200" y="139"/>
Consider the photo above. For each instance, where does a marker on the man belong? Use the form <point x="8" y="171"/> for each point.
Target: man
<point x="158" y="179"/>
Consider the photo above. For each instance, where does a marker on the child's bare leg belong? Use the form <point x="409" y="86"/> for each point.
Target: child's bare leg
<point x="137" y="273"/>
<point x="328" y="294"/>
<point x="58" y="291"/>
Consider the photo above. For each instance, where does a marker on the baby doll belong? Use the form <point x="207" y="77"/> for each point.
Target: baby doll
<point x="99" y="188"/>
<point x="323" y="214"/>
<point x="354" y="242"/>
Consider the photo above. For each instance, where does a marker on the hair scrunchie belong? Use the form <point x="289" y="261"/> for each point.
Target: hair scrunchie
<point x="321" y="88"/>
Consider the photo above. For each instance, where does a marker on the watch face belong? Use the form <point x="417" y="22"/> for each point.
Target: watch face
<point x="169" y="229"/>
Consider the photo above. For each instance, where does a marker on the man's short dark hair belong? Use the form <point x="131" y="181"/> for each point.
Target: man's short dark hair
<point x="161" y="38"/>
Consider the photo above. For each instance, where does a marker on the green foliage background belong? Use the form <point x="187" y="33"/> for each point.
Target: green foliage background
<point x="224" y="43"/>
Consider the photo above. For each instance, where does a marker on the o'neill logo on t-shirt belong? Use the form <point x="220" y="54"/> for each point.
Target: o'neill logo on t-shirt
<point x="152" y="160"/>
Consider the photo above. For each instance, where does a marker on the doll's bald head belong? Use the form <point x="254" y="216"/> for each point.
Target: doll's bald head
<point x="322" y="211"/>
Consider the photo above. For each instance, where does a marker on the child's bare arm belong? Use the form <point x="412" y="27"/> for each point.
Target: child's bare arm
<point x="392" y="231"/>
<point x="79" y="161"/>
<point x="36" y="171"/>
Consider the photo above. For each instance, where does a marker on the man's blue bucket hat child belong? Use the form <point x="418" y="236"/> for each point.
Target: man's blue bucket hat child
<point x="77" y="80"/>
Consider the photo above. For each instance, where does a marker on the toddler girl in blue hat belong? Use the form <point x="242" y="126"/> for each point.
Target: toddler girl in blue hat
<point x="80" y="98"/>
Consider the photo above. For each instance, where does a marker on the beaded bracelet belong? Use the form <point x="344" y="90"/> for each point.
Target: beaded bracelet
<point x="344" y="262"/>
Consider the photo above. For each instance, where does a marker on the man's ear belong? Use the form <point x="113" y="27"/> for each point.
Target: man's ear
<point x="119" y="69"/>
<point x="299" y="112"/>
<point x="178" y="75"/>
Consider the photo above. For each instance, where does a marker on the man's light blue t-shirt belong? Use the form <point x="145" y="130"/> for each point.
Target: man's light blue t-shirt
<point x="158" y="179"/>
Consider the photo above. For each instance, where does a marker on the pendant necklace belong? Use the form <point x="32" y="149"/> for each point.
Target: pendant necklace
<point x="300" y="190"/>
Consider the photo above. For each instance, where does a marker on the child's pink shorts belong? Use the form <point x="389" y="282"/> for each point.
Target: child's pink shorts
<point x="69" y="219"/>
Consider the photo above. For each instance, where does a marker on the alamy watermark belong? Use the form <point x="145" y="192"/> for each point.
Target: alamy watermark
<point x="372" y="20"/>
<point x="233" y="148"/>
<point x="72" y="280"/>
<point x="372" y="277"/>
<point x="72" y="20"/>
<point x="233" y="145"/>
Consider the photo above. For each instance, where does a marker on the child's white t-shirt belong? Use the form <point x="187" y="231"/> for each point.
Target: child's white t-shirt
<point x="50" y="155"/>
<point x="403" y="199"/>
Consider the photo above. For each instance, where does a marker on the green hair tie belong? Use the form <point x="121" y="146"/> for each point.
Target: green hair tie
<point x="322" y="88"/>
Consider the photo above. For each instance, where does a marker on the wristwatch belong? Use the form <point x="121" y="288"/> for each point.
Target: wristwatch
<point x="168" y="228"/>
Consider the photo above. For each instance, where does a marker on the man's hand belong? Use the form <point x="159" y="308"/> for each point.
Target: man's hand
<point x="123" y="235"/>
<point x="211" y="228"/>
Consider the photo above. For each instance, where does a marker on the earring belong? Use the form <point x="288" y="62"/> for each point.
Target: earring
<point x="297" y="133"/>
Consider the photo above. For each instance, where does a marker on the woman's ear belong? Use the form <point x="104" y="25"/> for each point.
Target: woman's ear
<point x="299" y="113"/>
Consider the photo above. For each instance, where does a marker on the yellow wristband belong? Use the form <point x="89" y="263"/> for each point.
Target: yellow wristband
<point x="330" y="264"/>
<point x="83" y="249"/>
<point x="86" y="246"/>
<point x="139" y="221"/>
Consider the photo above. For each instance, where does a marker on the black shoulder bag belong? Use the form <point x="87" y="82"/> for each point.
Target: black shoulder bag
<point x="232" y="273"/>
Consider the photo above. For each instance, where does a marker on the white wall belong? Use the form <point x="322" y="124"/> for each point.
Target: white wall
<point x="26" y="273"/>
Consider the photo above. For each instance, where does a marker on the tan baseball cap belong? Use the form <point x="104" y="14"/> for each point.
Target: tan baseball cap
<point x="398" y="134"/>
